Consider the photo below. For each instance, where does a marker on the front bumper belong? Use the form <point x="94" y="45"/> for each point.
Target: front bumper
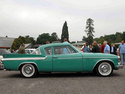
<point x="1" y="66"/>
<point x="119" y="66"/>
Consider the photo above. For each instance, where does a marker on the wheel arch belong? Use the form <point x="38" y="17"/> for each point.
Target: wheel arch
<point x="33" y="63"/>
<point x="105" y="60"/>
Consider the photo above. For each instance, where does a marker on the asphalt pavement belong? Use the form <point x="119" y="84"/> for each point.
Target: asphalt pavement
<point x="62" y="83"/>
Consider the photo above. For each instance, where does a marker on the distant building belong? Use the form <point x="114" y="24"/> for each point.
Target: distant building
<point x="6" y="42"/>
<point x="78" y="43"/>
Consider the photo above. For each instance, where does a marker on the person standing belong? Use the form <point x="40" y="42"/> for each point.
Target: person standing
<point x="22" y="49"/>
<point x="65" y="40"/>
<point x="90" y="48"/>
<point x="85" y="48"/>
<point x="102" y="48"/>
<point x="122" y="52"/>
<point x="107" y="48"/>
<point x="113" y="49"/>
<point x="95" y="48"/>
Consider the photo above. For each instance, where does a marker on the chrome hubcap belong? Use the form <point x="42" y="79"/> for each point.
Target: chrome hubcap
<point x="28" y="69"/>
<point x="105" y="68"/>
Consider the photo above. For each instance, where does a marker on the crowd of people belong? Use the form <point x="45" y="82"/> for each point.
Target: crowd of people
<point x="106" y="48"/>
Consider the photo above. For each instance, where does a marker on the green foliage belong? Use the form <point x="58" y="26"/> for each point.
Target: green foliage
<point x="20" y="40"/>
<point x="113" y="38"/>
<point x="65" y="33"/>
<point x="123" y="36"/>
<point x="89" y="30"/>
<point x="54" y="37"/>
<point x="43" y="38"/>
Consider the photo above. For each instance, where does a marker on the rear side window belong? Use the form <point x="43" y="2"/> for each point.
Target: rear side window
<point x="48" y="51"/>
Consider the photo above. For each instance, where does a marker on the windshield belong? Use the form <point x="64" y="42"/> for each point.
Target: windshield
<point x="76" y="48"/>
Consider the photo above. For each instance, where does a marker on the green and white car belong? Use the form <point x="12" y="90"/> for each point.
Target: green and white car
<point x="61" y="57"/>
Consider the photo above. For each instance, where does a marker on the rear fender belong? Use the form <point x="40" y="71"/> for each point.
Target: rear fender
<point x="33" y="63"/>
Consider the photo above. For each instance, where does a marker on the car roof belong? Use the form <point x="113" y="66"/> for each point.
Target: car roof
<point x="55" y="44"/>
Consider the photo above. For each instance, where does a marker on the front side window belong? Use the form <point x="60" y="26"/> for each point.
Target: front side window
<point x="63" y="50"/>
<point x="48" y="51"/>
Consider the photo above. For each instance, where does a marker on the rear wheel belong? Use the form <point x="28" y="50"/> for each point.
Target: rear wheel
<point x="104" y="69"/>
<point x="28" y="70"/>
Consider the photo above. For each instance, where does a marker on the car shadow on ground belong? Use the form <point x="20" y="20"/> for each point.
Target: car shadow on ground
<point x="61" y="75"/>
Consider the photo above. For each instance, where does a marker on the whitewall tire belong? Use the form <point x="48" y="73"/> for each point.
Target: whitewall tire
<point x="28" y="70"/>
<point x="104" y="69"/>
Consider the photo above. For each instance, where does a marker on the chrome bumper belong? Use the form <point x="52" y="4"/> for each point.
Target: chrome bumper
<point x="1" y="66"/>
<point x="119" y="66"/>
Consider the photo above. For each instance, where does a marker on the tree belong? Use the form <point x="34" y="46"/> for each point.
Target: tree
<point x="54" y="37"/>
<point x="43" y="38"/>
<point x="112" y="38"/>
<point x="89" y="30"/>
<point x="123" y="36"/>
<point x="65" y="33"/>
<point x="84" y="39"/>
<point x="20" y="40"/>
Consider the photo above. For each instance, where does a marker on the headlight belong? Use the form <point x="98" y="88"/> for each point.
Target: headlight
<point x="118" y="57"/>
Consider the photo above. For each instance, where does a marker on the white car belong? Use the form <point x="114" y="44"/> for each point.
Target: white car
<point x="29" y="51"/>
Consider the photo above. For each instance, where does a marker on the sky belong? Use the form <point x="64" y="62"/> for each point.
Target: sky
<point x="34" y="17"/>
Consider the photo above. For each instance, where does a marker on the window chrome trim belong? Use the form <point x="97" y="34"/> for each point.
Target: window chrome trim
<point x="70" y="58"/>
<point x="101" y="57"/>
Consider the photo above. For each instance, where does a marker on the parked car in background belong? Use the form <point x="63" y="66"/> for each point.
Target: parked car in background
<point x="3" y="51"/>
<point x="29" y="51"/>
<point x="61" y="57"/>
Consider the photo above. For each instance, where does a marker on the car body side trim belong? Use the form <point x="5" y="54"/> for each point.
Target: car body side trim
<point x="87" y="58"/>
<point x="29" y="58"/>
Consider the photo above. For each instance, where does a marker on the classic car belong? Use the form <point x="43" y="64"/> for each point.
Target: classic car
<point x="61" y="57"/>
<point x="3" y="51"/>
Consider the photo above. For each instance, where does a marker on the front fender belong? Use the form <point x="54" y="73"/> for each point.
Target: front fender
<point x="103" y="60"/>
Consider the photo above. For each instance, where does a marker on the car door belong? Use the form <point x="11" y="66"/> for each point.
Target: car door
<point x="46" y="65"/>
<point x="66" y="59"/>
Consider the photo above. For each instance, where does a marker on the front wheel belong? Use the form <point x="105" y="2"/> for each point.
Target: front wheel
<point x="104" y="69"/>
<point x="28" y="70"/>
